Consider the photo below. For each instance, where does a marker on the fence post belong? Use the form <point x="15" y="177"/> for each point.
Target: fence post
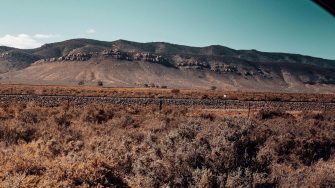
<point x="249" y="109"/>
<point x="160" y="104"/>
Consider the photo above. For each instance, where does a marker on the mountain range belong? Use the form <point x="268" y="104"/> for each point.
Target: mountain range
<point x="158" y="64"/>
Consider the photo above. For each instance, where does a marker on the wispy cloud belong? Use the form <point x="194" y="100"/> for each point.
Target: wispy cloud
<point x="45" y="36"/>
<point x="90" y="31"/>
<point x="25" y="41"/>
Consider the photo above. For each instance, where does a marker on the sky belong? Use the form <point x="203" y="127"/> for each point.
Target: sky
<point x="294" y="26"/>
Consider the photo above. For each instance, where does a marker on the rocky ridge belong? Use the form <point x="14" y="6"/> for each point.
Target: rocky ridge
<point x="203" y="64"/>
<point x="109" y="53"/>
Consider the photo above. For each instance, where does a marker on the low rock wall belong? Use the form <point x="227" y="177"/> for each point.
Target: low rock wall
<point x="208" y="103"/>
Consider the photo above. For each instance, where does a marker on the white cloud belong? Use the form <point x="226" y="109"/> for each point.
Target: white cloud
<point x="26" y="41"/>
<point x="90" y="31"/>
<point x="45" y="36"/>
<point x="19" y="41"/>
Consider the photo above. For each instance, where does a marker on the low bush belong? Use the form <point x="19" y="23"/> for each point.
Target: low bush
<point x="97" y="115"/>
<point x="81" y="82"/>
<point x="175" y="91"/>
<point x="144" y="146"/>
<point x="269" y="114"/>
<point x="13" y="134"/>
<point x="100" y="83"/>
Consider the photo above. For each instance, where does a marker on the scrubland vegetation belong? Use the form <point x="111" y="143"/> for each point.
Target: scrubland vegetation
<point x="163" y="92"/>
<point x="136" y="146"/>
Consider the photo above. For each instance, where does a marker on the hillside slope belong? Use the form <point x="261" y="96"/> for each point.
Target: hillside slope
<point x="129" y="64"/>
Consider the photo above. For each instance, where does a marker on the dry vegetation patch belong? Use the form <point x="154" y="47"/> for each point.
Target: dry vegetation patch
<point x="136" y="146"/>
<point x="161" y="93"/>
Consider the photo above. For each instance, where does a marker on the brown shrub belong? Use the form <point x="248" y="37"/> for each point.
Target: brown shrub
<point x="14" y="134"/>
<point x="97" y="115"/>
<point x="5" y="114"/>
<point x="269" y="114"/>
<point x="63" y="120"/>
<point x="94" y="173"/>
<point x="209" y="116"/>
<point x="28" y="168"/>
<point x="175" y="91"/>
<point x="28" y="117"/>
<point x="136" y="146"/>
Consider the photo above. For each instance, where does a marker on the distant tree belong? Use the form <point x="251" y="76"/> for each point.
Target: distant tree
<point x="163" y="87"/>
<point x="213" y="88"/>
<point x="100" y="83"/>
<point x="81" y="82"/>
<point x="145" y="85"/>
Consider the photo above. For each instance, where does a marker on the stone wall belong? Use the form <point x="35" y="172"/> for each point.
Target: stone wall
<point x="208" y="103"/>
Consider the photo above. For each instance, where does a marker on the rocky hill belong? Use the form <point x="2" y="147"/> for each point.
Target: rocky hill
<point x="129" y="64"/>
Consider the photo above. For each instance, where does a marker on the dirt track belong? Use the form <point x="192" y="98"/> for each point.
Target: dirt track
<point x="208" y="103"/>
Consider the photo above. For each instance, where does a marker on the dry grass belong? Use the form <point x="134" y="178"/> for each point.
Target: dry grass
<point x="161" y="93"/>
<point x="136" y="146"/>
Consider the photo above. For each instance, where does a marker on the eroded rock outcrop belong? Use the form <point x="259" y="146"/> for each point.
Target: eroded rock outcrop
<point x="77" y="57"/>
<point x="5" y="54"/>
<point x="70" y="57"/>
<point x="204" y="65"/>
<point x="110" y="53"/>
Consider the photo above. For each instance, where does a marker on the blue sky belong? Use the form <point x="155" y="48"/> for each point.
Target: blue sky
<point x="295" y="26"/>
